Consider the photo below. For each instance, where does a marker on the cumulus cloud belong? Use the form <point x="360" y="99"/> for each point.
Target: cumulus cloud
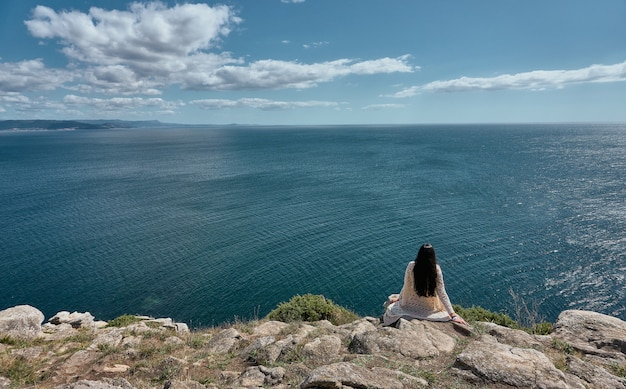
<point x="147" y="32"/>
<point x="285" y="74"/>
<point x="150" y="46"/>
<point x="537" y="80"/>
<point x="262" y="104"/>
<point x="121" y="103"/>
<point x="31" y="75"/>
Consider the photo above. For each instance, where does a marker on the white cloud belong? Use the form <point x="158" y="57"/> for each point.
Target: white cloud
<point x="150" y="46"/>
<point x="262" y="104"/>
<point x="537" y="80"/>
<point x="30" y="75"/>
<point x="380" y="107"/>
<point x="148" y="32"/>
<point x="13" y="98"/>
<point x="121" y="103"/>
<point x="292" y="1"/>
<point x="284" y="74"/>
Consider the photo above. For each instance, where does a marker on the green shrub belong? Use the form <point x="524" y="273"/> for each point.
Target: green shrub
<point x="543" y="328"/>
<point x="123" y="321"/>
<point x="481" y="314"/>
<point x="311" y="308"/>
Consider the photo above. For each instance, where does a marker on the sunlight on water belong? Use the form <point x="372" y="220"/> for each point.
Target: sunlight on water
<point x="204" y="225"/>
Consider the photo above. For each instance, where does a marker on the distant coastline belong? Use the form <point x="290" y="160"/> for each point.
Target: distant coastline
<point x="59" y="125"/>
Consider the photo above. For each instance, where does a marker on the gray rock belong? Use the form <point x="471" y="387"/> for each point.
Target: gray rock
<point x="407" y="379"/>
<point x="251" y="377"/>
<point x="269" y="328"/>
<point x="357" y="327"/>
<point x="593" y="333"/>
<point x="325" y="349"/>
<point x="75" y="319"/>
<point x="277" y="351"/>
<point x="512" y="336"/>
<point x="5" y="383"/>
<point x="224" y="341"/>
<point x="488" y="361"/>
<point x="22" y="321"/>
<point x="415" y="339"/>
<point x="175" y="384"/>
<point x="250" y="352"/>
<point x="273" y="376"/>
<point x="77" y="365"/>
<point x="343" y="374"/>
<point x="117" y="383"/>
<point x="596" y="376"/>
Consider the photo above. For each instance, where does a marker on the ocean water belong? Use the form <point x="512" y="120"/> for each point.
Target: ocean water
<point x="210" y="225"/>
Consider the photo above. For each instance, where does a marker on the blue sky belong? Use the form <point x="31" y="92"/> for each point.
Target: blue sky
<point x="314" y="61"/>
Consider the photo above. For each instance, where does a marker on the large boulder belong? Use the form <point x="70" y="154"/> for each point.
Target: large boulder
<point x="414" y="339"/>
<point x="593" y="333"/>
<point x="22" y="321"/>
<point x="487" y="361"/>
<point x="344" y="374"/>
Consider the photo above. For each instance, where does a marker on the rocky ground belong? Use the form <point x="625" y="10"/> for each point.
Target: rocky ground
<point x="584" y="350"/>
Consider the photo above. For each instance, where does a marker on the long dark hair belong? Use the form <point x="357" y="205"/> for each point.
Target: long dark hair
<point x="425" y="271"/>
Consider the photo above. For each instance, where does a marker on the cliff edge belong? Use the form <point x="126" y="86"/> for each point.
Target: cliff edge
<point x="73" y="350"/>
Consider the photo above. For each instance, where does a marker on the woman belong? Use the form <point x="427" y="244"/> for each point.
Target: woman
<point x="423" y="295"/>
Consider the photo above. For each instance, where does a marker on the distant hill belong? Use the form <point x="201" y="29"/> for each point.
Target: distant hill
<point x="83" y="124"/>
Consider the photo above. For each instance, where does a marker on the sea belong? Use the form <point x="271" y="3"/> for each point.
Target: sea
<point x="219" y="224"/>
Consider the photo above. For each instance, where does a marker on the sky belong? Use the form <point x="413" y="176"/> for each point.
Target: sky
<point x="314" y="62"/>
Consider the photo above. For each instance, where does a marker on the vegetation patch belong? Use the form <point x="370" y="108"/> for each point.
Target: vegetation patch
<point x="123" y="321"/>
<point x="310" y="308"/>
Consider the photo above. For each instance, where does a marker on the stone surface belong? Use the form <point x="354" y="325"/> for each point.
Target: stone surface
<point x="593" y="333"/>
<point x="118" y="383"/>
<point x="343" y="374"/>
<point x="22" y="321"/>
<point x="587" y="348"/>
<point x="414" y="339"/>
<point x="224" y="341"/>
<point x="325" y="349"/>
<point x="490" y="361"/>
<point x="595" y="376"/>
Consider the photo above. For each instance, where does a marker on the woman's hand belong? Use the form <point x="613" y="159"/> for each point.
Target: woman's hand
<point x="458" y="319"/>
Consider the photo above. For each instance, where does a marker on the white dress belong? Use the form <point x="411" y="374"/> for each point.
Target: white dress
<point x="412" y="306"/>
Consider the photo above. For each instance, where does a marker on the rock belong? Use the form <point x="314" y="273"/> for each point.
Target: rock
<point x="224" y="341"/>
<point x="487" y="361"/>
<point x="357" y="327"/>
<point x="108" y="339"/>
<point x="595" y="376"/>
<point x="593" y="333"/>
<point x="75" y="319"/>
<point x="325" y="349"/>
<point x="512" y="336"/>
<point x="409" y="380"/>
<point x="76" y="366"/>
<point x="251" y="377"/>
<point x="116" y="368"/>
<point x="273" y="375"/>
<point x="269" y="328"/>
<point x="415" y="339"/>
<point x="118" y="383"/>
<point x="250" y="352"/>
<point x="343" y="374"/>
<point x="278" y="350"/>
<point x="168" y="323"/>
<point x="175" y="384"/>
<point x="22" y="321"/>
<point x="5" y="383"/>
